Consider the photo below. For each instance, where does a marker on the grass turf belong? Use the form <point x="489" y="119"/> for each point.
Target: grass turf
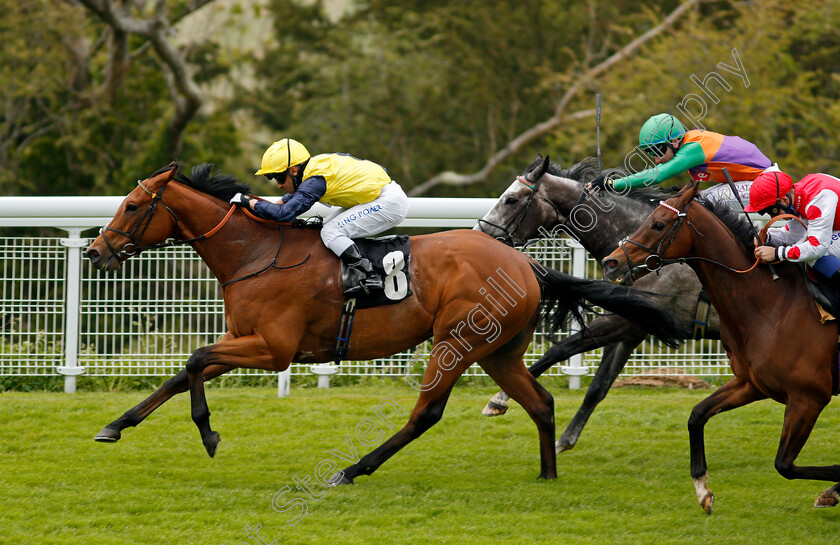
<point x="470" y="479"/>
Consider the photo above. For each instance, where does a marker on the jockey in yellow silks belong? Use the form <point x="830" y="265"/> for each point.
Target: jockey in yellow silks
<point x="368" y="201"/>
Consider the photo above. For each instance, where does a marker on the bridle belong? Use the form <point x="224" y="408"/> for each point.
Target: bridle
<point x="131" y="247"/>
<point x="515" y="222"/>
<point x="654" y="261"/>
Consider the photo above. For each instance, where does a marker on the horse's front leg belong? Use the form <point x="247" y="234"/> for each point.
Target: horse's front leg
<point x="735" y="393"/>
<point x="829" y="498"/>
<point x="613" y="361"/>
<point x="132" y="417"/>
<point x="250" y="352"/>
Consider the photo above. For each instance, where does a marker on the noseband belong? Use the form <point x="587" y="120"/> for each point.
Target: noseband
<point x="131" y="248"/>
<point x="654" y="261"/>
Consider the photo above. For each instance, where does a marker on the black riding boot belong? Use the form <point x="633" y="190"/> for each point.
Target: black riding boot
<point x="358" y="274"/>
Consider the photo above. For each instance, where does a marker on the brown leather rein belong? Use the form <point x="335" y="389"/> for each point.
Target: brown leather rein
<point x="658" y="262"/>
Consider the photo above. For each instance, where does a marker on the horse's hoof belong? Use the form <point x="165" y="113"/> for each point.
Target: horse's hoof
<point x="829" y="498"/>
<point x="212" y="443"/>
<point x="708" y="503"/>
<point x="497" y="405"/>
<point x="562" y="446"/>
<point x="107" y="435"/>
<point x="494" y="409"/>
<point x="339" y="478"/>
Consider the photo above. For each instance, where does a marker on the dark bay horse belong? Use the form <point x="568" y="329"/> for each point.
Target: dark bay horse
<point x="283" y="296"/>
<point x="777" y="346"/>
<point x="544" y="201"/>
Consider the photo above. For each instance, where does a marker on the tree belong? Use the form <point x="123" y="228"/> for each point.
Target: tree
<point x="98" y="94"/>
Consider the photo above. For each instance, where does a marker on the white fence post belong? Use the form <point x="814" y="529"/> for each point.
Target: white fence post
<point x="324" y="370"/>
<point x="576" y="369"/>
<point x="72" y="296"/>
<point x="284" y="381"/>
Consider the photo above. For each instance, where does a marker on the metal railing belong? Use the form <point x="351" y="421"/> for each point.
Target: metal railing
<point x="59" y="316"/>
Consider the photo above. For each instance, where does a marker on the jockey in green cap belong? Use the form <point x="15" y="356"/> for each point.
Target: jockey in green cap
<point x="703" y="154"/>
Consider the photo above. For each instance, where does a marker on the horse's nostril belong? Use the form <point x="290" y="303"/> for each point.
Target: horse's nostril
<point x="92" y="254"/>
<point x="610" y="263"/>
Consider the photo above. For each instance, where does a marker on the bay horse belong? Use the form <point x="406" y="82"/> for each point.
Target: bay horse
<point x="777" y="345"/>
<point x="283" y="296"/>
<point x="546" y="201"/>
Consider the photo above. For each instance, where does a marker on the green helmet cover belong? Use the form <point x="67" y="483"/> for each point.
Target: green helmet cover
<point x="659" y="129"/>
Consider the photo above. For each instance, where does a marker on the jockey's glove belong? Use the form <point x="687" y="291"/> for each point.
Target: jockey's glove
<point x="244" y="200"/>
<point x="600" y="183"/>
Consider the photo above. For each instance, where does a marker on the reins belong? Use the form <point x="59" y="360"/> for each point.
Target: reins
<point x="131" y="248"/>
<point x="147" y="217"/>
<point x="272" y="265"/>
<point x="654" y="261"/>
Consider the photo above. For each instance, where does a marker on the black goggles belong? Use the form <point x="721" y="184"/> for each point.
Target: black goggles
<point x="656" y="150"/>
<point x="277" y="176"/>
<point x="775" y="210"/>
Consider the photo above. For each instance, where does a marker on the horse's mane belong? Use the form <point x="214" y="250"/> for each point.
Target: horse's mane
<point x="739" y="226"/>
<point x="587" y="170"/>
<point x="222" y="186"/>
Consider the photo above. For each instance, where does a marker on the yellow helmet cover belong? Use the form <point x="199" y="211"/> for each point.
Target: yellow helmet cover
<point x="281" y="155"/>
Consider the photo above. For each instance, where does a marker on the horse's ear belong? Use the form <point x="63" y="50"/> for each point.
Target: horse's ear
<point x="695" y="190"/>
<point x="688" y="192"/>
<point x="539" y="156"/>
<point x="176" y="166"/>
<point x="538" y="172"/>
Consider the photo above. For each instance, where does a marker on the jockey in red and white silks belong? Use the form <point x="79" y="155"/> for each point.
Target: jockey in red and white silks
<point x="815" y="199"/>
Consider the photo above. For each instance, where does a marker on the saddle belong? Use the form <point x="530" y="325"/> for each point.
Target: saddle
<point x="390" y="257"/>
<point x="825" y="291"/>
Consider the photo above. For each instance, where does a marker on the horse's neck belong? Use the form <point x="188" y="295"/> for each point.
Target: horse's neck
<point x="604" y="223"/>
<point x="734" y="295"/>
<point x="236" y="247"/>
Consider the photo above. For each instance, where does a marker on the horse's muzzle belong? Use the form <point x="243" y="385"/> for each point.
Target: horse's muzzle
<point x="99" y="261"/>
<point x="612" y="267"/>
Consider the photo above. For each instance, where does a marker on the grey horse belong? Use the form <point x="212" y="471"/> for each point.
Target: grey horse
<point x="547" y="199"/>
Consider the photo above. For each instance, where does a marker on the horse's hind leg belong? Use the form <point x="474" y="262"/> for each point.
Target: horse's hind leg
<point x="613" y="361"/>
<point x="602" y="331"/>
<point x="132" y="417"/>
<point x="559" y="351"/>
<point x="735" y="393"/>
<point x="537" y="402"/>
<point x="800" y="416"/>
<point x="435" y="389"/>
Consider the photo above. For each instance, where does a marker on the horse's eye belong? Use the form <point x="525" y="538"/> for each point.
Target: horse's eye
<point x="658" y="226"/>
<point x="130" y="208"/>
<point x="511" y="200"/>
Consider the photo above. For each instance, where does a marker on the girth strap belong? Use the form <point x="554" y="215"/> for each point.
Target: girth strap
<point x="701" y="315"/>
<point x="345" y="328"/>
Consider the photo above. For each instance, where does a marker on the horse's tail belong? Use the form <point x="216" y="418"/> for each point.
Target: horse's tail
<point x="563" y="294"/>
